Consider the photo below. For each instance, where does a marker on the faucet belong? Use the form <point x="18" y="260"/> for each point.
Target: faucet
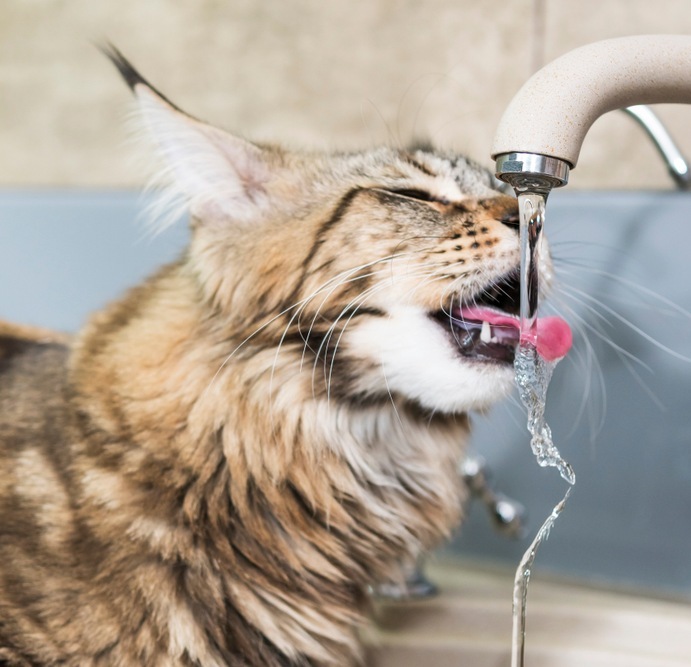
<point x="676" y="163"/>
<point x="539" y="137"/>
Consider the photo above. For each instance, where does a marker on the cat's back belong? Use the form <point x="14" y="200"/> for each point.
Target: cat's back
<point x="33" y="372"/>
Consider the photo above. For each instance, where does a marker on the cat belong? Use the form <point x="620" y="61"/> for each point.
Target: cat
<point x="218" y="466"/>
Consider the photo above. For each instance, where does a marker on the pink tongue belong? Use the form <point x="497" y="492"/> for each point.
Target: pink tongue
<point x="553" y="339"/>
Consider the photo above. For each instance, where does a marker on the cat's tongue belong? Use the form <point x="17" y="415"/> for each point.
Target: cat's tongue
<point x="553" y="339"/>
<point x="552" y="336"/>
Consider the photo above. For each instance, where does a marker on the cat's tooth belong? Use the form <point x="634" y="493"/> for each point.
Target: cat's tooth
<point x="485" y="333"/>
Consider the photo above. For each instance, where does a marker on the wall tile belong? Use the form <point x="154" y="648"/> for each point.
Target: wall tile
<point x="307" y="73"/>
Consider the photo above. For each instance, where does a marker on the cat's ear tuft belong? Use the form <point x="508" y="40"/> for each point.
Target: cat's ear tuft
<point x="213" y="174"/>
<point x="129" y="74"/>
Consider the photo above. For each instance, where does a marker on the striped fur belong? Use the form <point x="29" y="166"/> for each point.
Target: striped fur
<point x="217" y="467"/>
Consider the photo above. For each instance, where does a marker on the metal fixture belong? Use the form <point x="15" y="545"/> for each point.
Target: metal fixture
<point x="676" y="163"/>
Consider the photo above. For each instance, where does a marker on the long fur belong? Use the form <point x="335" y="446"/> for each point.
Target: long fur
<point x="215" y="469"/>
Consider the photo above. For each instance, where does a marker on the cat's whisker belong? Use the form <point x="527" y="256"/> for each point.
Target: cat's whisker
<point x="388" y="259"/>
<point x="628" y="361"/>
<point x="247" y="339"/>
<point x="354" y="305"/>
<point x="298" y="306"/>
<point x="391" y="398"/>
<point x="332" y="285"/>
<point x="589" y="370"/>
<point x="589" y="299"/>
<point x="350" y="279"/>
<point x="591" y="304"/>
<point x="347" y="276"/>
<point x="633" y="285"/>
<point x="359" y="301"/>
<point x="389" y="131"/>
<point x="594" y="329"/>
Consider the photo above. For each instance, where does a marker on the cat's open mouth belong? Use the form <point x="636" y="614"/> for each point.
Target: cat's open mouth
<point x="487" y="328"/>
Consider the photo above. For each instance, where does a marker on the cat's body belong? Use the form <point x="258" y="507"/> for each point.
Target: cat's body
<point x="214" y="470"/>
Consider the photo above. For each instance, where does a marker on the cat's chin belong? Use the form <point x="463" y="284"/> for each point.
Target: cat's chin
<point x="419" y="358"/>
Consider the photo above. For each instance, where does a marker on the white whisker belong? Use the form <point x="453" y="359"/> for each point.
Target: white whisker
<point x="591" y="367"/>
<point x="576" y="295"/>
<point x="646" y="336"/>
<point x="658" y="298"/>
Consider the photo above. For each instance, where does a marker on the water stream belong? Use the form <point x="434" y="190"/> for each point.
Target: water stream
<point x="533" y="374"/>
<point x="531" y="210"/>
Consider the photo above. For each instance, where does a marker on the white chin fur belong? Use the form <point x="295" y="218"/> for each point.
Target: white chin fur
<point x="419" y="361"/>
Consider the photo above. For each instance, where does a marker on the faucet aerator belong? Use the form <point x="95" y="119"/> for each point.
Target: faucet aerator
<point x="531" y="172"/>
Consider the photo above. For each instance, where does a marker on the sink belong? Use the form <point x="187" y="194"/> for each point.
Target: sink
<point x="568" y="625"/>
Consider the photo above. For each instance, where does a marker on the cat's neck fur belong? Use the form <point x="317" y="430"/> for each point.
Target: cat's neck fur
<point x="160" y="385"/>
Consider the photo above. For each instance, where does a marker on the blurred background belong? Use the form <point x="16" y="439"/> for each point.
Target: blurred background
<point x="351" y="74"/>
<point x="338" y="74"/>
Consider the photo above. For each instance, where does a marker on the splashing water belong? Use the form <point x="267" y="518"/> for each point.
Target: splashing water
<point x="533" y="373"/>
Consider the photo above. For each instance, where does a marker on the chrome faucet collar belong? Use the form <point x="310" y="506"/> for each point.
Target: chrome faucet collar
<point x="676" y="163"/>
<point x="532" y="171"/>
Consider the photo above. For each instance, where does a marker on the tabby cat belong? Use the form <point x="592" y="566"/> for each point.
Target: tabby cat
<point x="219" y="465"/>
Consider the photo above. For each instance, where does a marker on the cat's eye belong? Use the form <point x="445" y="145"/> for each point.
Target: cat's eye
<point x="420" y="195"/>
<point x="414" y="194"/>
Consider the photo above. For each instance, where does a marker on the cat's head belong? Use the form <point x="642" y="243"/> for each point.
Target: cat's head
<point x="380" y="273"/>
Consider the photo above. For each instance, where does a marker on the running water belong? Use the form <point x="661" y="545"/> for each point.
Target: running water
<point x="520" y="584"/>
<point x="533" y="371"/>
<point x="531" y="211"/>
<point x="533" y="374"/>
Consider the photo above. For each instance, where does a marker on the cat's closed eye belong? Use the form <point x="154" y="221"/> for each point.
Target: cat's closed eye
<point x="420" y="195"/>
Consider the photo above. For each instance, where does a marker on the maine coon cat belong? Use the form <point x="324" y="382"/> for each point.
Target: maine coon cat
<point x="214" y="470"/>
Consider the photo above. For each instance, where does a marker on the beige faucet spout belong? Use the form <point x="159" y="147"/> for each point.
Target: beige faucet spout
<point x="549" y="117"/>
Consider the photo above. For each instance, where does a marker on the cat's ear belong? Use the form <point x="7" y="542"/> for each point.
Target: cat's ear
<point x="215" y="175"/>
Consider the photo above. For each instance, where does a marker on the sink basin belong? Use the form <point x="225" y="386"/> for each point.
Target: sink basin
<point x="469" y="625"/>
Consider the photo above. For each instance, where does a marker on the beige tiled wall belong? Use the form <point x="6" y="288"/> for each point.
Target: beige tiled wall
<point x="317" y="73"/>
